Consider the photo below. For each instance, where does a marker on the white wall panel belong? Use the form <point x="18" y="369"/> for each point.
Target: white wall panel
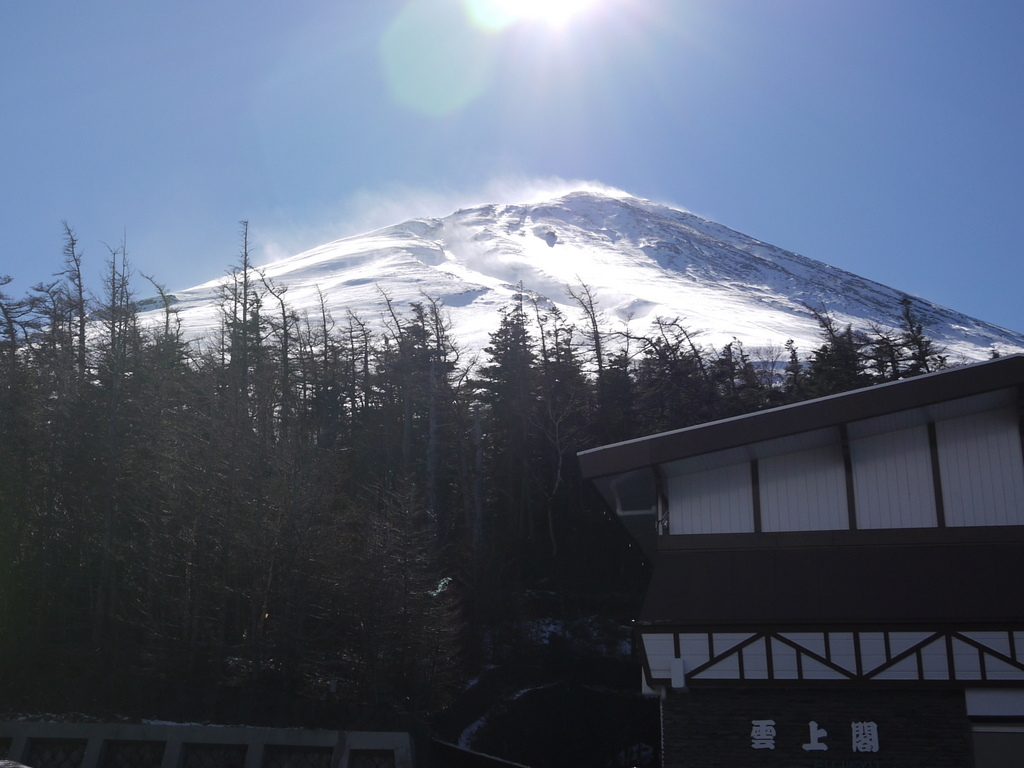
<point x="872" y="650"/>
<point x="802" y="441"/>
<point x="727" y="669"/>
<point x="842" y="650"/>
<point x="755" y="660"/>
<point x="997" y="641"/>
<point x="804" y="491"/>
<point x="660" y="650"/>
<point x="784" y="661"/>
<point x="716" y="500"/>
<point x="705" y="461"/>
<point x="812" y="641"/>
<point x="851" y="655"/>
<point x="965" y="406"/>
<point x="966" y="661"/>
<point x="905" y="669"/>
<point x="1000" y="670"/>
<point x="998" y="702"/>
<point x="935" y="660"/>
<point x="890" y="422"/>
<point x="726" y="641"/>
<point x="892" y="480"/>
<point x="981" y="467"/>
<point x="814" y="670"/>
<point x="900" y="642"/>
<point x="694" y="649"/>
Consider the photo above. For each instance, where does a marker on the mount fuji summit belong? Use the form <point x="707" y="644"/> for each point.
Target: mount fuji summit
<point x="639" y="260"/>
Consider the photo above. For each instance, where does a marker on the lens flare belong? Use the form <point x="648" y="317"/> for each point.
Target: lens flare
<point x="434" y="62"/>
<point x="496" y="15"/>
<point x="439" y="56"/>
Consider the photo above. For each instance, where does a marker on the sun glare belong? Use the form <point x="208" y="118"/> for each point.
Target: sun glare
<point x="496" y="15"/>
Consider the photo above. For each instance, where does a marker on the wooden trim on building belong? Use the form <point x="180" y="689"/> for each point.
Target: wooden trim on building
<point x="851" y="501"/>
<point x="662" y="521"/>
<point x="755" y="493"/>
<point x="933" y="447"/>
<point x="844" y="538"/>
<point x="1020" y="416"/>
<point x="955" y="655"/>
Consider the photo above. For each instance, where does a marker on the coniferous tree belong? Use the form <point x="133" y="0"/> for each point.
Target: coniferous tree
<point x="587" y="302"/>
<point x="615" y="418"/>
<point x="73" y="287"/>
<point x="404" y="631"/>
<point x="563" y="413"/>
<point x="115" y="363"/>
<point x="673" y="387"/>
<point x="17" y="447"/>
<point x="58" y="560"/>
<point x="507" y="389"/>
<point x="185" y="512"/>
<point x="838" y="365"/>
<point x="739" y="390"/>
<point x="885" y="355"/>
<point x="794" y="387"/>
<point x="923" y="355"/>
<point x="304" y="499"/>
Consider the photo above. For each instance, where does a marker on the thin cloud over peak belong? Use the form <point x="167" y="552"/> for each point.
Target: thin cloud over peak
<point x="369" y="209"/>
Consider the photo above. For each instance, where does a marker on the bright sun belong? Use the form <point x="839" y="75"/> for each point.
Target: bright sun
<point x="498" y="14"/>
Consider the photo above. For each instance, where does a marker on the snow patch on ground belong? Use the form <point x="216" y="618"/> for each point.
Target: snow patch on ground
<point x="468" y="735"/>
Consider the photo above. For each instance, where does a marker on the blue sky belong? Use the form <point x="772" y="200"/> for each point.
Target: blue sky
<point x="880" y="136"/>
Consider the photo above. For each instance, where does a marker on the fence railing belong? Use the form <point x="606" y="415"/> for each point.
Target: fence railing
<point x="166" y="745"/>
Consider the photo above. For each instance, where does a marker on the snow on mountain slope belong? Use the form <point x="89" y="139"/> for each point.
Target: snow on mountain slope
<point x="639" y="259"/>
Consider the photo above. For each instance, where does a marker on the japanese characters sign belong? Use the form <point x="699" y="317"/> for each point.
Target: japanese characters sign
<point x="863" y="736"/>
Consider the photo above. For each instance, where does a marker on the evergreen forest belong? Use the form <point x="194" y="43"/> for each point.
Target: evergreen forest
<point x="335" y="512"/>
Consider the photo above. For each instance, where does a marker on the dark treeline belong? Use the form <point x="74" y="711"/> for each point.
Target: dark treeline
<point x="313" y="504"/>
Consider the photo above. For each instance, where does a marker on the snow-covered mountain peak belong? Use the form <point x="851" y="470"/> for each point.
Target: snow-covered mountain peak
<point x="638" y="258"/>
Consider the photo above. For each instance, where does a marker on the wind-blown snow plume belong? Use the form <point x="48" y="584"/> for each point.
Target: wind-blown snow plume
<point x="639" y="259"/>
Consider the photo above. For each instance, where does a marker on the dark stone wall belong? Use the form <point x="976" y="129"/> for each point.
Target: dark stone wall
<point x="713" y="727"/>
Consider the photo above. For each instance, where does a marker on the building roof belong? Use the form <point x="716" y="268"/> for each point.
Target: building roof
<point x="793" y="419"/>
<point x="912" y="576"/>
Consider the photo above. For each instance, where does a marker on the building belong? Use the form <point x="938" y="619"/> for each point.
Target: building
<point x="837" y="583"/>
